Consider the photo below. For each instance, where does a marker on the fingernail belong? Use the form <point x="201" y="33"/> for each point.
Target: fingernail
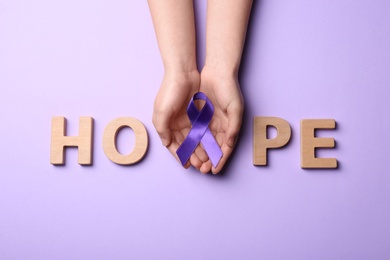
<point x="164" y="142"/>
<point x="231" y="141"/>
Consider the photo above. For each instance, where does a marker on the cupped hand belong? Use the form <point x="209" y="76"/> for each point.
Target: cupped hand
<point x="170" y="113"/>
<point x="223" y="90"/>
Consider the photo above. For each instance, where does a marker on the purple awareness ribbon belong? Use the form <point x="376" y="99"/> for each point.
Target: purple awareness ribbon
<point x="200" y="132"/>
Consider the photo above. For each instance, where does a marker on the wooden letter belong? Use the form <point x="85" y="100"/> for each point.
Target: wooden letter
<point x="260" y="141"/>
<point x="59" y="140"/>
<point x="309" y="143"/>
<point x="109" y="140"/>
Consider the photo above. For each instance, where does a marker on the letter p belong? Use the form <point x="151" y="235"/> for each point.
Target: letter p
<point x="260" y="141"/>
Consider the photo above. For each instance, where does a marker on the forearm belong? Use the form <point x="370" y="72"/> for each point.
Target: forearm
<point x="175" y="31"/>
<point x="227" y="22"/>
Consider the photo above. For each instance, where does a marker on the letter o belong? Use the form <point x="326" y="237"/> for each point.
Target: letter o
<point x="110" y="135"/>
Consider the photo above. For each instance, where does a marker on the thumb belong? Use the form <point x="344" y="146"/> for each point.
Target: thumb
<point x="234" y="125"/>
<point x="161" y="123"/>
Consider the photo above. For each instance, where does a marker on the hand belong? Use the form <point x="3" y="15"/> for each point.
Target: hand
<point x="225" y="94"/>
<point x="170" y="113"/>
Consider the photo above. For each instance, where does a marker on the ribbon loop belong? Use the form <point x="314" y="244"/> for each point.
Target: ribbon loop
<point x="200" y="132"/>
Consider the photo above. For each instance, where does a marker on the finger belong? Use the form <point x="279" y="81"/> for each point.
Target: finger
<point x="178" y="139"/>
<point x="206" y="167"/>
<point x="195" y="161"/>
<point x="226" y="151"/>
<point x="161" y="123"/>
<point x="234" y="125"/>
<point x="201" y="153"/>
<point x="172" y="148"/>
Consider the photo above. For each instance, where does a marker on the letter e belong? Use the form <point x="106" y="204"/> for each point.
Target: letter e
<point x="309" y="143"/>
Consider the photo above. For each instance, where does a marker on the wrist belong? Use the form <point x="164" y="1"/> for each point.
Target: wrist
<point x="181" y="73"/>
<point x="178" y="80"/>
<point x="180" y="66"/>
<point x="221" y="69"/>
<point x="222" y="72"/>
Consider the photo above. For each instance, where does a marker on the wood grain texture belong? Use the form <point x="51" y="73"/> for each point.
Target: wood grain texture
<point x="309" y="143"/>
<point x="110" y="135"/>
<point x="59" y="140"/>
<point x="260" y="141"/>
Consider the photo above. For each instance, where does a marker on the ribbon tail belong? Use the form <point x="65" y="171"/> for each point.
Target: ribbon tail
<point x="212" y="148"/>
<point x="186" y="149"/>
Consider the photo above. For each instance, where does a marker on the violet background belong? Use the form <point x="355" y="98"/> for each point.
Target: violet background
<point x="303" y="59"/>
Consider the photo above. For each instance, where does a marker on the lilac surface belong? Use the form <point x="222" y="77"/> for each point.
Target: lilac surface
<point x="303" y="59"/>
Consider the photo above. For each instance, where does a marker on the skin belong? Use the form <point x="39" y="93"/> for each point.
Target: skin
<point x="225" y="36"/>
